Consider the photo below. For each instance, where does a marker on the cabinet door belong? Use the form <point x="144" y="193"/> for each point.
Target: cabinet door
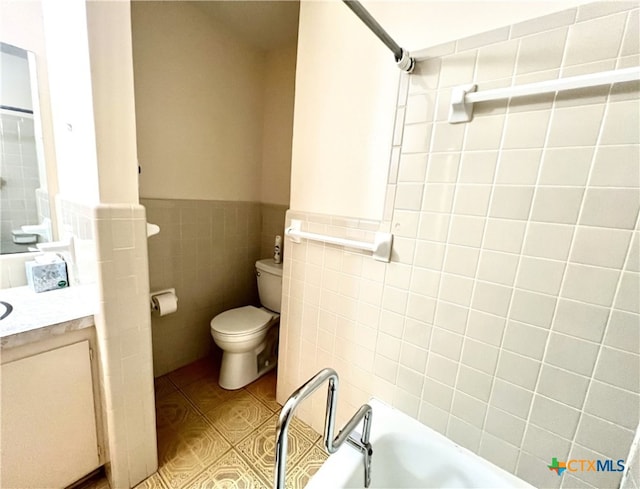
<point x="48" y="419"/>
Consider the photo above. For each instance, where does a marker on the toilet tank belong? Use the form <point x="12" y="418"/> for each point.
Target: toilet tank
<point x="269" y="275"/>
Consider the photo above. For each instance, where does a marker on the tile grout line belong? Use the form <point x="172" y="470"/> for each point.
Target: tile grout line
<point x="493" y="375"/>
<point x="607" y="106"/>
<point x="534" y="391"/>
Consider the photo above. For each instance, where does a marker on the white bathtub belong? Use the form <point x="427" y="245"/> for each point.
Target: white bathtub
<point x="407" y="454"/>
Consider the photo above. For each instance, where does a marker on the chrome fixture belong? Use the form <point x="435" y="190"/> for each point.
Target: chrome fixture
<point x="7" y="309"/>
<point x="331" y="444"/>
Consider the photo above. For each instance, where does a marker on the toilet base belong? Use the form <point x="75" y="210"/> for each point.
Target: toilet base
<point x="240" y="369"/>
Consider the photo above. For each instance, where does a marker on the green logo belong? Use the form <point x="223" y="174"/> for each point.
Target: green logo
<point x="62" y="283"/>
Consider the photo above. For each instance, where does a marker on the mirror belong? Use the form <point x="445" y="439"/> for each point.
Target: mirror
<point x="25" y="211"/>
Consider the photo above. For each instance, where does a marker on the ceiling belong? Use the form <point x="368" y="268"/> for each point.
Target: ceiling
<point x="264" y="24"/>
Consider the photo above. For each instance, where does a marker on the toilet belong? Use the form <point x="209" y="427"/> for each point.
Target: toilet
<point x="248" y="335"/>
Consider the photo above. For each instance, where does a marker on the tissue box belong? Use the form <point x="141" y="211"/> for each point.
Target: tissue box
<point x="47" y="276"/>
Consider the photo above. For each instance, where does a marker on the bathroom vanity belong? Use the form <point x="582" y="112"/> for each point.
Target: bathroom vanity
<point x="51" y="425"/>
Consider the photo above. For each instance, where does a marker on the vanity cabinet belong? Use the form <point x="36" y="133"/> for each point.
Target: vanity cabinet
<point x="49" y="436"/>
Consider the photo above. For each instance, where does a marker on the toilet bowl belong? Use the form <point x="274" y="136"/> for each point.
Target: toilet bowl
<point x="248" y="335"/>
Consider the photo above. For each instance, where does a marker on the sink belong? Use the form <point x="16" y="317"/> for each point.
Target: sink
<point x="5" y="309"/>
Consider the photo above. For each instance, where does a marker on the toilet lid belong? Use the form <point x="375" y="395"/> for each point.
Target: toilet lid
<point x="242" y="320"/>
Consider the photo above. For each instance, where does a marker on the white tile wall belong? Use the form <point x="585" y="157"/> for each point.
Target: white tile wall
<point x="508" y="318"/>
<point x="123" y="327"/>
<point x="111" y="250"/>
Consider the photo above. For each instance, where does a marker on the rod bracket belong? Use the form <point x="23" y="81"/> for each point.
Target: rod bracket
<point x="382" y="245"/>
<point x="406" y="63"/>
<point x="461" y="110"/>
<point x="292" y="231"/>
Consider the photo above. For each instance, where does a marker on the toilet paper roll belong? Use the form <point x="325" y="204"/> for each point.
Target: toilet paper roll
<point x="165" y="303"/>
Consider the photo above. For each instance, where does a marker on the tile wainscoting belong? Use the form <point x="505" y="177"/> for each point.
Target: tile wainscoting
<point x="207" y="250"/>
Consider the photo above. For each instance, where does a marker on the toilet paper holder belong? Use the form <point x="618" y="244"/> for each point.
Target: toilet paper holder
<point x="154" y="307"/>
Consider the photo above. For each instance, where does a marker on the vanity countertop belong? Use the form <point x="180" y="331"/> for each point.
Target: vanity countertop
<point x="36" y="316"/>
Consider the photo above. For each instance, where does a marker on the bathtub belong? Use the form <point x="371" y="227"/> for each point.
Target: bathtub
<point x="407" y="454"/>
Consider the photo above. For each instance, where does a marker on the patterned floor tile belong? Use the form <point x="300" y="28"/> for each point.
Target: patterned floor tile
<point x="169" y="445"/>
<point x="153" y="482"/>
<point x="180" y="468"/>
<point x="163" y="386"/>
<point x="204" y="368"/>
<point x="299" y="474"/>
<point x="196" y="436"/>
<point x="305" y="429"/>
<point x="259" y="448"/>
<point x="240" y="416"/>
<point x="212" y="438"/>
<point x="206" y="394"/>
<point x="230" y="472"/>
<point x="173" y="410"/>
<point x="207" y="443"/>
<point x="264" y="389"/>
<point x="185" y="452"/>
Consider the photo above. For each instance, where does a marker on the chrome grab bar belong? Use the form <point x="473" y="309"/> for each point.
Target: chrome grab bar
<point x="331" y="444"/>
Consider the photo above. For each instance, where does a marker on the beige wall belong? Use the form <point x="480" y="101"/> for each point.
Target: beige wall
<point x="343" y="114"/>
<point x="72" y="100"/>
<point x="277" y="132"/>
<point x="198" y="105"/>
<point x="109" y="28"/>
<point x="345" y="90"/>
<point x="215" y="115"/>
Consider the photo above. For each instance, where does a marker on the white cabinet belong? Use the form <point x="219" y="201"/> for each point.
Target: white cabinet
<point x="48" y="420"/>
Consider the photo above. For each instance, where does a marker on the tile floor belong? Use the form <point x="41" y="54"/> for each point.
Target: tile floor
<point x="212" y="438"/>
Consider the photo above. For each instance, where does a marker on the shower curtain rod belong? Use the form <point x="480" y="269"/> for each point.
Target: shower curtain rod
<point x="16" y="109"/>
<point x="404" y="61"/>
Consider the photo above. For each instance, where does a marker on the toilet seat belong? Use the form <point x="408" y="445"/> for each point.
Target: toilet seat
<point x="241" y="321"/>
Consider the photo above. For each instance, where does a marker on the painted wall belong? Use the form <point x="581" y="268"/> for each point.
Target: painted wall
<point x="72" y="101"/>
<point x="277" y="129"/>
<point x="199" y="105"/>
<point x="345" y="88"/>
<point x="214" y="113"/>
<point x="113" y="100"/>
<point x="343" y="114"/>
<point x="508" y="316"/>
